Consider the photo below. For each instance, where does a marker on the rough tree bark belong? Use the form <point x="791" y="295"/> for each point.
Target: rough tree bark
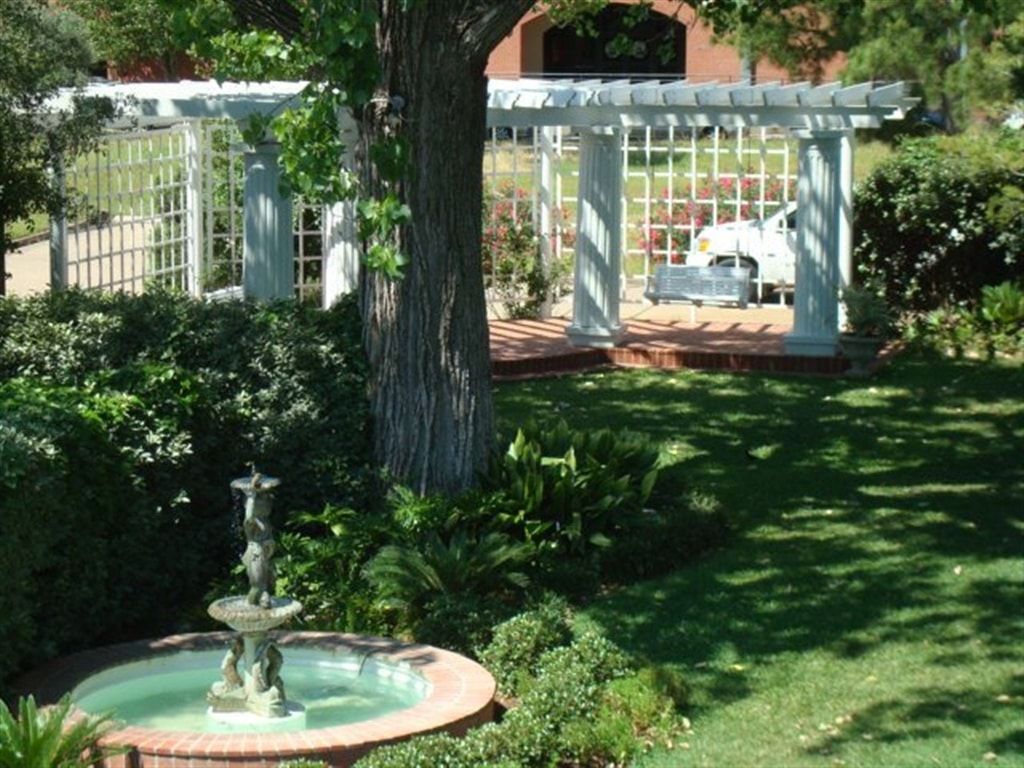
<point x="426" y="334"/>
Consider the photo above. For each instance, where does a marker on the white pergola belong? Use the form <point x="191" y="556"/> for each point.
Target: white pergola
<point x="823" y="118"/>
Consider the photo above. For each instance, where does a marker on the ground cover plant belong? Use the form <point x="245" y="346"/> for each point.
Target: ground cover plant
<point x="867" y="610"/>
<point x="559" y="509"/>
<point x="990" y="326"/>
<point x="579" y="700"/>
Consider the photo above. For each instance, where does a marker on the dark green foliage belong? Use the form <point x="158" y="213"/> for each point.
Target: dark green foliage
<point x="561" y="507"/>
<point x="867" y="313"/>
<point x="302" y="764"/>
<point x="1001" y="314"/>
<point x="97" y="520"/>
<point x="634" y="713"/>
<point x="571" y="495"/>
<point x="450" y="589"/>
<point x="676" y="532"/>
<point x="320" y="562"/>
<point x="464" y="622"/>
<point x="928" y="232"/>
<point x="407" y="578"/>
<point x="123" y="419"/>
<point x="286" y="382"/>
<point x="996" y="324"/>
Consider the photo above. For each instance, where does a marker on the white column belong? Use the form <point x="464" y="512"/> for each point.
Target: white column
<point x="194" y="206"/>
<point x="58" y="231"/>
<point x="846" y="219"/>
<point x="268" y="260"/>
<point x="595" y="317"/>
<point x="823" y="240"/>
<point x="343" y="251"/>
<point x="545" y="206"/>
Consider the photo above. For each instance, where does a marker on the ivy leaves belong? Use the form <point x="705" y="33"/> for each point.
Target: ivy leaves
<point x="378" y="220"/>
<point x="311" y="148"/>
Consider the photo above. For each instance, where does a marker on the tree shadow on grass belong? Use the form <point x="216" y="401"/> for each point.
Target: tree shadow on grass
<point x="848" y="520"/>
<point x="933" y="713"/>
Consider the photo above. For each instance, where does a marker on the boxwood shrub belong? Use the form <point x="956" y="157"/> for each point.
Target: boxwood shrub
<point x="581" y="703"/>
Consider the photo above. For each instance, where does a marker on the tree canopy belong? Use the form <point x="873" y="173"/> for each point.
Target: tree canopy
<point x="43" y="49"/>
<point x="960" y="53"/>
<point x="125" y="32"/>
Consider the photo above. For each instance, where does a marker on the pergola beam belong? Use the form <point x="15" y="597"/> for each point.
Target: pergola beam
<point x="531" y="102"/>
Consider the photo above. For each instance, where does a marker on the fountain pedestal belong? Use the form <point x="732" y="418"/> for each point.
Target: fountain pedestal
<point x="257" y="688"/>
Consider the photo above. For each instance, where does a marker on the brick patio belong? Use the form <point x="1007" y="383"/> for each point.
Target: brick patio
<point x="658" y="337"/>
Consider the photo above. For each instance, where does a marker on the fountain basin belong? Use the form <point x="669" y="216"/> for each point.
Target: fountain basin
<point x="426" y="689"/>
<point x="238" y="614"/>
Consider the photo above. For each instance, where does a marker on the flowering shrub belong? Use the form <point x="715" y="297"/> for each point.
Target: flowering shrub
<point x="671" y="229"/>
<point x="936" y="222"/>
<point x="513" y="266"/>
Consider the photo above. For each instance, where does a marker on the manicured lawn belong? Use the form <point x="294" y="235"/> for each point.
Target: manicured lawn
<point x="869" y="610"/>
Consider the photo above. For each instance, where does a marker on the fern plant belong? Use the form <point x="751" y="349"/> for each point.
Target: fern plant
<point x="50" y="738"/>
<point x="1002" y="315"/>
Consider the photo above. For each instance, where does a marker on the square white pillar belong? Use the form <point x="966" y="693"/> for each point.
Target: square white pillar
<point x="595" y="315"/>
<point x="823" y="240"/>
<point x="342" y="252"/>
<point x="268" y="257"/>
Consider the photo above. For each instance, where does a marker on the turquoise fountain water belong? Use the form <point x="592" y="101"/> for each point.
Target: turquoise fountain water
<point x="168" y="692"/>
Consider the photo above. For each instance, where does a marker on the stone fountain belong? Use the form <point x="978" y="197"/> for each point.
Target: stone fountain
<point x="258" y="688"/>
<point x="356" y="691"/>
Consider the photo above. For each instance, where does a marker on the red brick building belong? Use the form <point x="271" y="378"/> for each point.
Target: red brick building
<point x="537" y="47"/>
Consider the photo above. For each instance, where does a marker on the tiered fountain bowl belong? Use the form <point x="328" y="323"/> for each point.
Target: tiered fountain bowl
<point x="183" y="702"/>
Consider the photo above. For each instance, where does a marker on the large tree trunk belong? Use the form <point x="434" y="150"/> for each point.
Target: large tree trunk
<point x="426" y="334"/>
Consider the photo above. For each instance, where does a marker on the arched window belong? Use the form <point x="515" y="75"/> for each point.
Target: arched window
<point x="569" y="53"/>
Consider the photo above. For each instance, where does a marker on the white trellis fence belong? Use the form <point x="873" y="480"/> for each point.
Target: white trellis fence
<point x="165" y="206"/>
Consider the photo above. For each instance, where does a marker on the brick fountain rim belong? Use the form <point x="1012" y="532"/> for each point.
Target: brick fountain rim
<point x="461" y="696"/>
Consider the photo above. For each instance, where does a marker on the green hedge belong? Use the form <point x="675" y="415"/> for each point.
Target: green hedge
<point x="122" y="421"/>
<point x="941" y="219"/>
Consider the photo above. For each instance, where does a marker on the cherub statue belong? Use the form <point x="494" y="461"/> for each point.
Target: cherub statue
<point x="259" y="548"/>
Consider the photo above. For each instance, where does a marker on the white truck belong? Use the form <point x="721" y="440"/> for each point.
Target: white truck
<point x="766" y="247"/>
